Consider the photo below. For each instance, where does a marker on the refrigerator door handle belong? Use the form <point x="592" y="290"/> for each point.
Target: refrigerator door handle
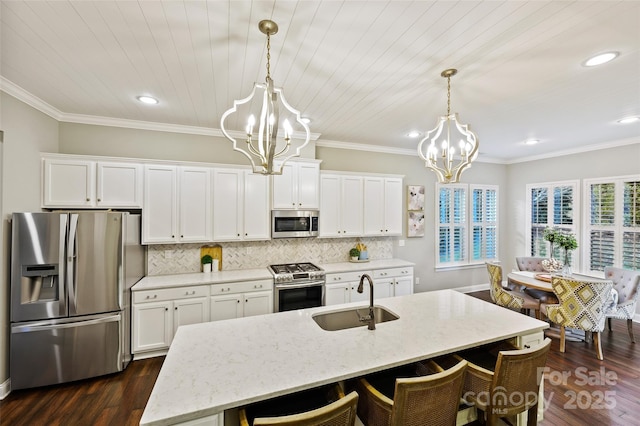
<point x="47" y="325"/>
<point x="71" y="262"/>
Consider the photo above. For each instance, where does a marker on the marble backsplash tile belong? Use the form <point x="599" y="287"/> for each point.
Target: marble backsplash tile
<point x="163" y="259"/>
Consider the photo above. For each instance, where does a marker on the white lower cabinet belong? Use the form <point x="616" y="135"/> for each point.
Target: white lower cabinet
<point x="157" y="314"/>
<point x="342" y="287"/>
<point x="394" y="281"/>
<point x="239" y="300"/>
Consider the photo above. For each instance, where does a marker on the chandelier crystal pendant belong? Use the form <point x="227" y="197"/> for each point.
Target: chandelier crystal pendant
<point x="263" y="141"/>
<point x="450" y="147"/>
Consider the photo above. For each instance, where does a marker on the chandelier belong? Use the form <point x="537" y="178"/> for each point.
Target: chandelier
<point x="438" y="148"/>
<point x="270" y="136"/>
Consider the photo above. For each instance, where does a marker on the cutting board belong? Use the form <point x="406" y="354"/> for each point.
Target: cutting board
<point x="215" y="251"/>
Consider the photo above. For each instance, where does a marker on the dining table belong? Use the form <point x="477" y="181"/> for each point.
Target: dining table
<point x="542" y="281"/>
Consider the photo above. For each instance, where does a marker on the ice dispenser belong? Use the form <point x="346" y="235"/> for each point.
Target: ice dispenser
<point x="39" y="283"/>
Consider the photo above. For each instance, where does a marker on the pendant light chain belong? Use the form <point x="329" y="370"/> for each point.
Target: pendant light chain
<point x="448" y="96"/>
<point x="268" y="58"/>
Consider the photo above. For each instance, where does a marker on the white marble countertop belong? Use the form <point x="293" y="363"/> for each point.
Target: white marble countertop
<point x="220" y="365"/>
<point x="199" y="278"/>
<point x="331" y="268"/>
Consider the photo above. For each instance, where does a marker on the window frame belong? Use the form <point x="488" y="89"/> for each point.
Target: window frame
<point x="618" y="227"/>
<point x="468" y="224"/>
<point x="573" y="228"/>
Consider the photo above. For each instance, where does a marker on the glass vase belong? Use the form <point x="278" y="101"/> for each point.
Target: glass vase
<point x="566" y="268"/>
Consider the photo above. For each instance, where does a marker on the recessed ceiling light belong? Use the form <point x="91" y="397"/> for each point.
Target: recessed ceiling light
<point x="305" y="120"/>
<point x="414" y="134"/>
<point x="147" y="100"/>
<point x="600" y="59"/>
<point x="628" y="120"/>
<point x="531" y="141"/>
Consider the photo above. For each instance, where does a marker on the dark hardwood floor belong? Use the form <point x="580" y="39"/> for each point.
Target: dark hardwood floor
<point x="579" y="389"/>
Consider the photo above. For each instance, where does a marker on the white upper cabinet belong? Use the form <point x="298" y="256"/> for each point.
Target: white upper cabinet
<point x="194" y="200"/>
<point x="297" y="187"/>
<point x="382" y="206"/>
<point x="341" y="205"/>
<point x="177" y="204"/>
<point x="240" y="205"/>
<point x="119" y="184"/>
<point x="84" y="183"/>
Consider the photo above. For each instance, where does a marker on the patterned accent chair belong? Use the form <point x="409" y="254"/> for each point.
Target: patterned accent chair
<point x="582" y="306"/>
<point x="507" y="298"/>
<point x="626" y="282"/>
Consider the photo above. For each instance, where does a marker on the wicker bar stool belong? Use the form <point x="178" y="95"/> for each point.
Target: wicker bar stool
<point x="505" y="383"/>
<point x="430" y="399"/>
<point x="324" y="406"/>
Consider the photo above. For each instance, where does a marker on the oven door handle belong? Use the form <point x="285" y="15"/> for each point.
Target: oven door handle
<point x="301" y="285"/>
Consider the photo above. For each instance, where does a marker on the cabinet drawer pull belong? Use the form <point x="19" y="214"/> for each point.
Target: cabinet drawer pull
<point x="188" y="293"/>
<point x="155" y="296"/>
<point x="257" y="286"/>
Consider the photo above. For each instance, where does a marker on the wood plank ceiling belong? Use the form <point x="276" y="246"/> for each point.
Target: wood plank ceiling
<point x="365" y="72"/>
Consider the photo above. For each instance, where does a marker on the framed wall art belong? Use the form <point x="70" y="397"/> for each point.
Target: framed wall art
<point x="415" y="198"/>
<point x="415" y="224"/>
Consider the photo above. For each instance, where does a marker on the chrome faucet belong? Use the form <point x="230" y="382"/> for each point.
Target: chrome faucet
<point x="370" y="319"/>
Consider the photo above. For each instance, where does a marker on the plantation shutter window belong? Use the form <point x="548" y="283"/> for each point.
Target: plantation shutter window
<point x="613" y="225"/>
<point x="551" y="205"/>
<point x="467" y="224"/>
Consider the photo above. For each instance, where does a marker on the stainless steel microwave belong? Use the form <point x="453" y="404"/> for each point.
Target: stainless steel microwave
<point x="294" y="223"/>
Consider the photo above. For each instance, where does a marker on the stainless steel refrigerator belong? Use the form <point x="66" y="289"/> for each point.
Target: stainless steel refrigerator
<point x="71" y="278"/>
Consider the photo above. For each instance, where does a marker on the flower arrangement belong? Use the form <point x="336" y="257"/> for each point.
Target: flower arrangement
<point x="567" y="241"/>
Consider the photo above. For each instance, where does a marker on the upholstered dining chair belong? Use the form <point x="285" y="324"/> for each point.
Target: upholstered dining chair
<point x="533" y="264"/>
<point x="626" y="283"/>
<point x="507" y="384"/>
<point x="431" y="398"/>
<point x="327" y="406"/>
<point x="511" y="299"/>
<point x="582" y="306"/>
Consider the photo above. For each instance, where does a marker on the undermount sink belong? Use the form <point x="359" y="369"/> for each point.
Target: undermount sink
<point x="350" y="318"/>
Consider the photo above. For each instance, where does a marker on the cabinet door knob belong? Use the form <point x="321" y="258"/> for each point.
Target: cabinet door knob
<point x="166" y="309"/>
<point x="176" y="308"/>
<point x="238" y="234"/>
<point x="88" y="199"/>
<point x="99" y="199"/>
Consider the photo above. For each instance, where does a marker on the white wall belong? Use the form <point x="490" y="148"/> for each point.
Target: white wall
<point x="618" y="161"/>
<point x="122" y="142"/>
<point x="422" y="250"/>
<point x="27" y="132"/>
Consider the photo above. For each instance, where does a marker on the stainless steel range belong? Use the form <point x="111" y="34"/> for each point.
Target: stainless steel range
<point x="297" y="286"/>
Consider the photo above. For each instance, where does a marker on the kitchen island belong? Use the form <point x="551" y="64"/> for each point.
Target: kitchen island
<point x="217" y="366"/>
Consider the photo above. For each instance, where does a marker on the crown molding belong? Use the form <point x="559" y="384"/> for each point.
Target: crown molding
<point x="586" y="148"/>
<point x="389" y="150"/>
<point x="19" y="93"/>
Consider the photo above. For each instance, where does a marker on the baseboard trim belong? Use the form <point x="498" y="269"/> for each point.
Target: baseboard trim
<point x="472" y="288"/>
<point x="5" y="389"/>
